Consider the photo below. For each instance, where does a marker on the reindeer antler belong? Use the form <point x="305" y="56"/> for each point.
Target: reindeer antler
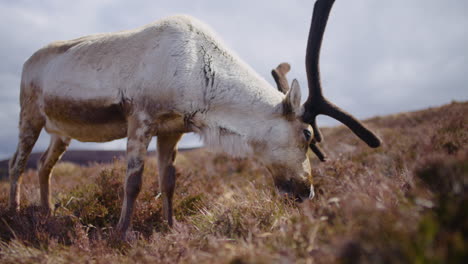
<point x="316" y="103"/>
<point x="279" y="74"/>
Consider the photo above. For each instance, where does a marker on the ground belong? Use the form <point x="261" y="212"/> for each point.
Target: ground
<point x="405" y="202"/>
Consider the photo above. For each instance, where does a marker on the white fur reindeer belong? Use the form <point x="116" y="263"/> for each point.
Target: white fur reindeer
<point x="166" y="79"/>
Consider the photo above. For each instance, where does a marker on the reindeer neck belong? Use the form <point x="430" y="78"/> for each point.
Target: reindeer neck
<point x="238" y="110"/>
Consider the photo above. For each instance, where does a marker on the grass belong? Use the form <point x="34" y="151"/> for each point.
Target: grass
<point x="406" y="202"/>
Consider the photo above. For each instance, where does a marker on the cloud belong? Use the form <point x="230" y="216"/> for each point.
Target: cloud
<point x="377" y="58"/>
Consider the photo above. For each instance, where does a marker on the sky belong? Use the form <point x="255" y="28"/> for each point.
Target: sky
<point x="378" y="57"/>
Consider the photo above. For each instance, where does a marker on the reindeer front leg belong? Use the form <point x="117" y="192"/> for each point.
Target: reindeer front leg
<point x="167" y="175"/>
<point x="139" y="137"/>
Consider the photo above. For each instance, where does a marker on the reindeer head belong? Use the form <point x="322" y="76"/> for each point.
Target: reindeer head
<point x="285" y="150"/>
<point x="298" y="182"/>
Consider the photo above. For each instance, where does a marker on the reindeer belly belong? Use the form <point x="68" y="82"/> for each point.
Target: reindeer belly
<point x="87" y="121"/>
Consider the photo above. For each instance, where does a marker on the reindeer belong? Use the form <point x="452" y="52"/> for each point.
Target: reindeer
<point x="165" y="79"/>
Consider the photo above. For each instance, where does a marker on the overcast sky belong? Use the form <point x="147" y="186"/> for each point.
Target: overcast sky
<point x="378" y="57"/>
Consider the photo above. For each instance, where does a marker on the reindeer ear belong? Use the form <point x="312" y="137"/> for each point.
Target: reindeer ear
<point x="292" y="101"/>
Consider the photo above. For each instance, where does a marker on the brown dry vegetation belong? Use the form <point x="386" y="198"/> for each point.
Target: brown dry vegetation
<point x="406" y="202"/>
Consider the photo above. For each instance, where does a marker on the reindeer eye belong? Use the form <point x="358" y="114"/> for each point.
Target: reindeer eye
<point x="307" y="134"/>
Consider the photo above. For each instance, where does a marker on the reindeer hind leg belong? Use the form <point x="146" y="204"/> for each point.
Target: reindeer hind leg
<point x="49" y="158"/>
<point x="29" y="130"/>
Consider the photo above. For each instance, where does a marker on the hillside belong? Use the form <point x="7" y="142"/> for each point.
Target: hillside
<point x="406" y="202"/>
<point x="79" y="157"/>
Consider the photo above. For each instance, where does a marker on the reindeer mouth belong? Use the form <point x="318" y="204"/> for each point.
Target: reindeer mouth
<point x="297" y="190"/>
<point x="300" y="199"/>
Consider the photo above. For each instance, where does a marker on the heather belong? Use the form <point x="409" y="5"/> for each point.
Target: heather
<point x="405" y="202"/>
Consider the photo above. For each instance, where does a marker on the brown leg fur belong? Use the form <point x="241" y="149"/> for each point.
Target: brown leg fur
<point x="167" y="175"/>
<point x="56" y="148"/>
<point x="138" y="139"/>
<point x="29" y="131"/>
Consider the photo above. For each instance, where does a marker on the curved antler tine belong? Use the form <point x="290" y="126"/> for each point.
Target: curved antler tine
<point x="318" y="152"/>
<point x="317" y="134"/>
<point x="316" y="103"/>
<point x="320" y="16"/>
<point x="279" y="74"/>
<point x="357" y="127"/>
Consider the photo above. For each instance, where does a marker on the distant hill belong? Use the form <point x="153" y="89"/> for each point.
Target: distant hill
<point x="81" y="157"/>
